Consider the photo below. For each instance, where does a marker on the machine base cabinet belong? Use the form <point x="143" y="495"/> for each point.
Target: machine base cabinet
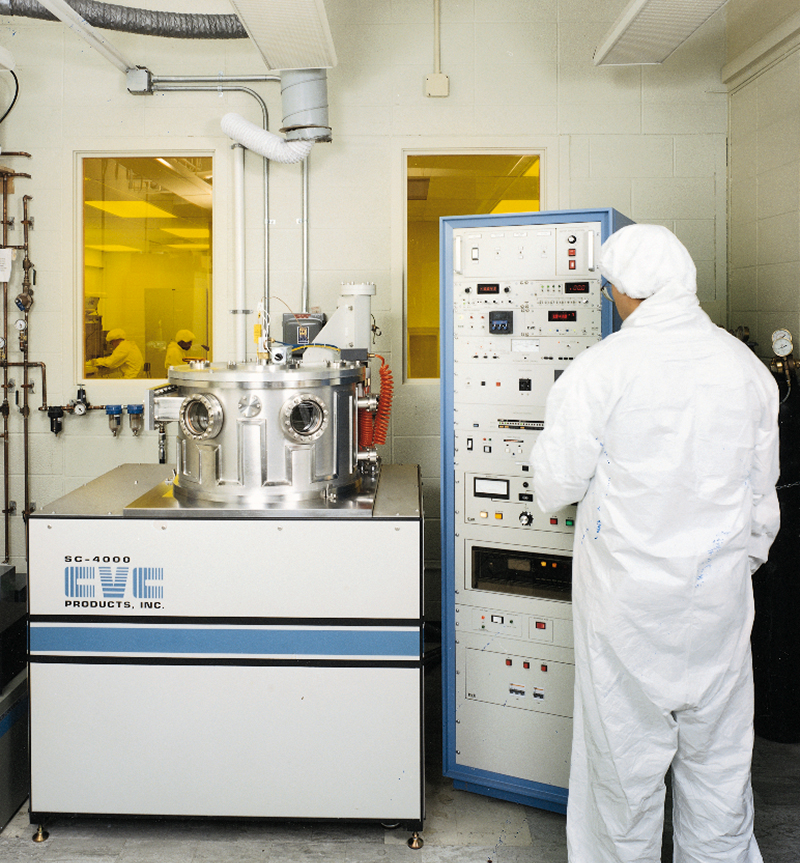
<point x="226" y="741"/>
<point x="266" y="667"/>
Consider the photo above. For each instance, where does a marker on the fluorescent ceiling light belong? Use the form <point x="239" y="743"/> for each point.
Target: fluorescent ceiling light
<point x="648" y="31"/>
<point x="515" y="206"/>
<point x="131" y="209"/>
<point x="289" y="34"/>
<point x="111" y="247"/>
<point x="188" y="233"/>
<point x="187" y="245"/>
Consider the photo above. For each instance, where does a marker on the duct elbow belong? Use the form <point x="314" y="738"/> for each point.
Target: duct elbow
<point x="265" y="143"/>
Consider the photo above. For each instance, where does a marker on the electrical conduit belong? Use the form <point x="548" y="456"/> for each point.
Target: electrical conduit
<point x="240" y="299"/>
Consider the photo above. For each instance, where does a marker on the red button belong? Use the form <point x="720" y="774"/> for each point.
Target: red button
<point x="572" y="252"/>
<point x="526" y="665"/>
<point x="508" y="662"/>
<point x="540" y="624"/>
<point x="544" y="668"/>
<point x="572" y="265"/>
<point x="553" y="521"/>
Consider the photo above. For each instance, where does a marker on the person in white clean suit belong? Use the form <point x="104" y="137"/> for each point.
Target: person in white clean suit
<point x="666" y="435"/>
<point x="125" y="357"/>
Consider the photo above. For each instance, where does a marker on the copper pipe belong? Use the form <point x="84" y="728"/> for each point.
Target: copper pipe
<point x="26" y="437"/>
<point x="32" y="365"/>
<point x="5" y="176"/>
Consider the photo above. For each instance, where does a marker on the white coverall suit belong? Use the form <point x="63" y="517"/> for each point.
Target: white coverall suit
<point x="666" y="433"/>
<point x="126" y="357"/>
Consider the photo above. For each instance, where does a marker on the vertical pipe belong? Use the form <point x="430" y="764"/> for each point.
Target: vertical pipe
<point x="26" y="285"/>
<point x="304" y="216"/>
<point x="265" y="298"/>
<point x="240" y="324"/>
<point x="25" y="435"/>
<point x="4" y="408"/>
<point x="437" y="38"/>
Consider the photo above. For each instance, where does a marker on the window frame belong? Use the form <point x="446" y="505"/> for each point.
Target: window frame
<point x="547" y="150"/>
<point x="119" y="388"/>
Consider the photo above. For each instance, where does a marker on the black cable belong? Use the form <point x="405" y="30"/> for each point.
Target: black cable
<point x="14" y="100"/>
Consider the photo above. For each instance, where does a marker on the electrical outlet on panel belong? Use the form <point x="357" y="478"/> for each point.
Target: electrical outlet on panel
<point x="437" y="84"/>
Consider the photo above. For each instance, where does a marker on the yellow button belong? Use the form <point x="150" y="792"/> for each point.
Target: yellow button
<point x="498" y="515"/>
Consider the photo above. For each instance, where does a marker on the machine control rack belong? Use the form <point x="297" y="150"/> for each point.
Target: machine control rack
<point x="521" y="299"/>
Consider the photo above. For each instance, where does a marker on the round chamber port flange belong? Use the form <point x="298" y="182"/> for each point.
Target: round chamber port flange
<point x="201" y="417"/>
<point x="304" y="418"/>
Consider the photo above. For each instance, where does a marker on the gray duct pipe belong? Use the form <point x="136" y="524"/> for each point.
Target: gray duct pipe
<point x="145" y="22"/>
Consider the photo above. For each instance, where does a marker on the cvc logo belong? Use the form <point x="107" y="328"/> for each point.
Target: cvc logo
<point x="83" y="582"/>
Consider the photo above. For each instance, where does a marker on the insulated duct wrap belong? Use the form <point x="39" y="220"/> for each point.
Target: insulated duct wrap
<point x="145" y="22"/>
<point x="265" y="143"/>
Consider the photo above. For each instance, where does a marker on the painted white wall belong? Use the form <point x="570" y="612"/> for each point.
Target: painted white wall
<point x="763" y="73"/>
<point x="649" y="141"/>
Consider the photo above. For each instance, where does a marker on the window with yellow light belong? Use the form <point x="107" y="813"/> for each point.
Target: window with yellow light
<point x="452" y="185"/>
<point x="147" y="254"/>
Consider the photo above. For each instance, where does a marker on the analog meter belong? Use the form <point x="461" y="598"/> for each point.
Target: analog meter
<point x="782" y="343"/>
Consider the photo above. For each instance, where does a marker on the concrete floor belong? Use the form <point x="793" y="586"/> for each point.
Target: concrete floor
<point x="460" y="828"/>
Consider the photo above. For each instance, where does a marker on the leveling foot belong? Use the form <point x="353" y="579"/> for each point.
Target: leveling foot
<point x="41" y="835"/>
<point x="416" y="842"/>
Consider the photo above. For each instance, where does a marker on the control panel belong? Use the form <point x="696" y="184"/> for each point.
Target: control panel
<point x="521" y="301"/>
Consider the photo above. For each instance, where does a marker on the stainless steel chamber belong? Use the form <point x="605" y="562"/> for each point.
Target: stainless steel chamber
<point x="261" y="434"/>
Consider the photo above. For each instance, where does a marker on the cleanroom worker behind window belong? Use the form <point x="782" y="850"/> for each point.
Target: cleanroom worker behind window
<point x="125" y="356"/>
<point x="177" y="348"/>
<point x="666" y="434"/>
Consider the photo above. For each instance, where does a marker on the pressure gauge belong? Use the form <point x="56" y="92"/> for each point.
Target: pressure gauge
<point x="80" y="409"/>
<point x="781" y="334"/>
<point x="782" y="346"/>
<point x="2" y="343"/>
<point x="21" y="324"/>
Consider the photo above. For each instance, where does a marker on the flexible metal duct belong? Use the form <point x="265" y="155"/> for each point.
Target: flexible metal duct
<point x="145" y="22"/>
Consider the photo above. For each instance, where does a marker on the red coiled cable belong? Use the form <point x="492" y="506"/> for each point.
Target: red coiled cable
<point x="384" y="412"/>
<point x="365" y="428"/>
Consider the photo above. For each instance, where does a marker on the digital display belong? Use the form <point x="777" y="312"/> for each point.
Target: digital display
<point x="568" y="315"/>
<point x="501" y="323"/>
<point x="488" y="289"/>
<point x="576" y="287"/>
